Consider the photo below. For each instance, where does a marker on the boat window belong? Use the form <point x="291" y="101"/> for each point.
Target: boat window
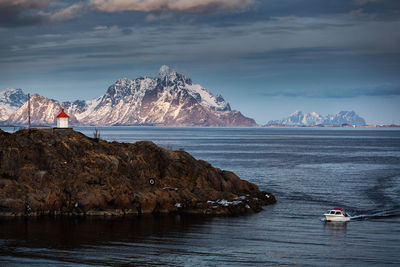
<point x="332" y="212"/>
<point x="338" y="213"/>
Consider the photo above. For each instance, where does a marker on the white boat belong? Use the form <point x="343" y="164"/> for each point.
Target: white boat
<point x="337" y="215"/>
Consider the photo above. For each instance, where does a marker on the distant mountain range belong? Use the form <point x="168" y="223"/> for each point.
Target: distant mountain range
<point x="299" y="118"/>
<point x="10" y="100"/>
<point x="171" y="99"/>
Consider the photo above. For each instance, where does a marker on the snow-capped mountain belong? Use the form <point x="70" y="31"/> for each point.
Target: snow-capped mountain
<point x="171" y="99"/>
<point x="80" y="108"/>
<point x="344" y="117"/>
<point x="10" y="100"/>
<point x="43" y="111"/>
<point x="300" y="119"/>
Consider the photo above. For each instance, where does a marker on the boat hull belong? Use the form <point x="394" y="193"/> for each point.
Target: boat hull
<point x="336" y="218"/>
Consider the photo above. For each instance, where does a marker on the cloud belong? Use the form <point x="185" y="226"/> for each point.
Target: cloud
<point x="14" y="13"/>
<point x="377" y="91"/>
<point x="383" y="90"/>
<point x="17" y="13"/>
<point x="184" y="6"/>
<point x="364" y="2"/>
<point x="100" y="28"/>
<point x="159" y="17"/>
<point x="11" y="12"/>
<point x="126" y="31"/>
<point x="68" y="13"/>
<point x="20" y="5"/>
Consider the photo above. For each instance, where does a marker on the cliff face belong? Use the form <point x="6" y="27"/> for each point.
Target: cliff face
<point x="56" y="171"/>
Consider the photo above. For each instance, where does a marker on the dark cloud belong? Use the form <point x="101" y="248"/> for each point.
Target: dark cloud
<point x="15" y="7"/>
<point x="364" y="2"/>
<point x="126" y="31"/>
<point x="296" y="55"/>
<point x="378" y="91"/>
<point x="21" y="13"/>
<point x="31" y="12"/>
<point x="184" y="6"/>
<point x="383" y="90"/>
<point x="20" y="21"/>
<point x="223" y="13"/>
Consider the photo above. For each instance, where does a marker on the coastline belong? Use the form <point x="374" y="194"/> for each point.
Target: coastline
<point x="63" y="172"/>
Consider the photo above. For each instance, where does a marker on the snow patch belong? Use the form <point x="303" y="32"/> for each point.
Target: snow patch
<point x="205" y="98"/>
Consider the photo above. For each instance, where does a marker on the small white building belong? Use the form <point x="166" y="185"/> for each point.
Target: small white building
<point x="62" y="120"/>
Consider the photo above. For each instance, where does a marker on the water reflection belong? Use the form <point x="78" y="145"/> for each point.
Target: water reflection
<point x="76" y="232"/>
<point x="335" y="228"/>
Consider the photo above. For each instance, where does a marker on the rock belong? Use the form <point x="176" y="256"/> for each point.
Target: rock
<point x="61" y="171"/>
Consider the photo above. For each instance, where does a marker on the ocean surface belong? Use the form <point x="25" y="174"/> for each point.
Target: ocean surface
<point x="308" y="170"/>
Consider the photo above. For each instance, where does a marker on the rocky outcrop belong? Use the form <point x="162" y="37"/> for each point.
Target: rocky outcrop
<point x="60" y="171"/>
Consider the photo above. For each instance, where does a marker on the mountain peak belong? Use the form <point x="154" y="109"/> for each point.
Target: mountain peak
<point x="347" y="113"/>
<point x="346" y="117"/>
<point x="10" y="90"/>
<point x="122" y="80"/>
<point x="12" y="98"/>
<point x="170" y="99"/>
<point x="164" y="71"/>
<point x="297" y="113"/>
<point x="313" y="118"/>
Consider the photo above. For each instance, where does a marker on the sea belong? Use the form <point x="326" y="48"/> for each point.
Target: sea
<point x="309" y="170"/>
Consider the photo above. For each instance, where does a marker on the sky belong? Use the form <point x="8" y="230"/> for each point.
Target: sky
<point x="267" y="58"/>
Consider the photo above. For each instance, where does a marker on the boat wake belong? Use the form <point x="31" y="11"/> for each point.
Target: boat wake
<point x="374" y="215"/>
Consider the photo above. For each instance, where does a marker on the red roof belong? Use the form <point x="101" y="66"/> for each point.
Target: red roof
<point x="62" y="114"/>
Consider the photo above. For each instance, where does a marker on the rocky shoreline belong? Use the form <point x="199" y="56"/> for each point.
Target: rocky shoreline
<point x="63" y="172"/>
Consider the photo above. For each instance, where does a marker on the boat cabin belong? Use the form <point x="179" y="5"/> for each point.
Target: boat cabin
<point x="337" y="211"/>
